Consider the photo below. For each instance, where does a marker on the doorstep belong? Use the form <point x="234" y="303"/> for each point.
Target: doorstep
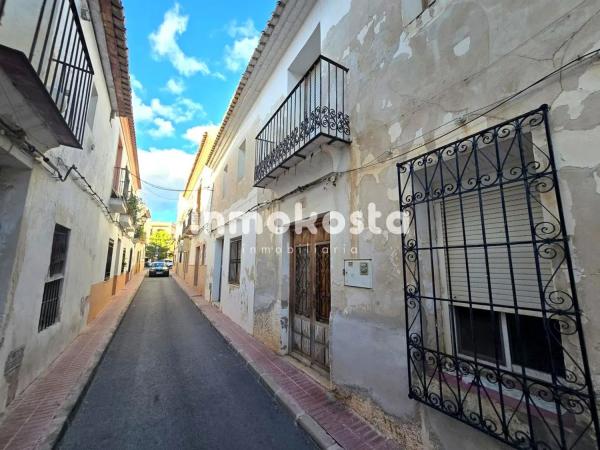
<point x="315" y="375"/>
<point x="37" y="418"/>
<point x="331" y="423"/>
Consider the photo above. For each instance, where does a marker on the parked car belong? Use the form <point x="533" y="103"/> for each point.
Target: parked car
<point x="169" y="263"/>
<point x="159" y="269"/>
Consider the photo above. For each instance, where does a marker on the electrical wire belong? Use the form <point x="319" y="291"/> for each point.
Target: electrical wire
<point x="18" y="136"/>
<point x="486" y="110"/>
<point x="163" y="188"/>
<point x="495" y="106"/>
<point x="88" y="187"/>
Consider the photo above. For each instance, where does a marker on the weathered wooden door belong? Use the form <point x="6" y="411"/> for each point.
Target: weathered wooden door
<point x="196" y="266"/>
<point x="310" y="296"/>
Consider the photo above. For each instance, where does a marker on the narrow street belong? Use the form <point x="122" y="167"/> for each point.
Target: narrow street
<point x="168" y="380"/>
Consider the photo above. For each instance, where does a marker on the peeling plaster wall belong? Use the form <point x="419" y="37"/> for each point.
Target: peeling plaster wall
<point x="409" y="82"/>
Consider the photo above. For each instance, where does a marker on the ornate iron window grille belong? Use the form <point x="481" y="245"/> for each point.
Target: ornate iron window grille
<point x="493" y="325"/>
<point x="314" y="108"/>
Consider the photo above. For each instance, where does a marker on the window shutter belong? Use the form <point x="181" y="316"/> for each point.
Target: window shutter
<point x="473" y="257"/>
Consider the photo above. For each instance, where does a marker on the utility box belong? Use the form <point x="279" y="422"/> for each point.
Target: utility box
<point x="358" y="273"/>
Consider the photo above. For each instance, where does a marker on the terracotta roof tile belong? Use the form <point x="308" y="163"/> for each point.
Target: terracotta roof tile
<point x="116" y="42"/>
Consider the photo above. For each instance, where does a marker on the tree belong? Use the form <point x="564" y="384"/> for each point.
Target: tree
<point x="160" y="245"/>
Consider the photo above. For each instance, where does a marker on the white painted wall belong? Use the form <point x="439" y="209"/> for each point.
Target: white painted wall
<point x="48" y="202"/>
<point x="236" y="301"/>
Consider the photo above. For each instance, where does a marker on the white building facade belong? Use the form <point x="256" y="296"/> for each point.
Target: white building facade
<point x="68" y="165"/>
<point x="455" y="307"/>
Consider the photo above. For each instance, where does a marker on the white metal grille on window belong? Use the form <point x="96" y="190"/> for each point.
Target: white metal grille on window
<point x="474" y="281"/>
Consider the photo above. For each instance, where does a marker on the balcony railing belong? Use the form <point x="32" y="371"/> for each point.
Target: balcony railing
<point x="191" y="222"/>
<point x="61" y="59"/>
<point x="121" y="184"/>
<point x="314" y="111"/>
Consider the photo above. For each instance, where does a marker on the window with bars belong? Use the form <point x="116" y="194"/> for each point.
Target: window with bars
<point x="494" y="333"/>
<point x="58" y="256"/>
<point x="109" y="257"/>
<point x="123" y="261"/>
<point x="50" y="308"/>
<point x="235" y="259"/>
<point x="130" y="259"/>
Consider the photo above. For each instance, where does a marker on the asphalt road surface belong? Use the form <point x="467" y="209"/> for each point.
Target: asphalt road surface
<point x="169" y="381"/>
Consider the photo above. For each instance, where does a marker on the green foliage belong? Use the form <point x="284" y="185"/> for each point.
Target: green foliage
<point x="139" y="232"/>
<point x="160" y="245"/>
<point x="133" y="208"/>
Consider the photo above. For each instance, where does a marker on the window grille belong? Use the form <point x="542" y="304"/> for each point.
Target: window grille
<point x="322" y="283"/>
<point x="58" y="256"/>
<point x="50" y="304"/>
<point x="109" y="256"/>
<point x="50" y="308"/>
<point x="235" y="259"/>
<point x="493" y="326"/>
<point x="302" y="280"/>
<point x="123" y="262"/>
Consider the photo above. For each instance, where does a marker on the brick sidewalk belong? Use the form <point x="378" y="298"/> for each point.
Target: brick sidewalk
<point x="35" y="419"/>
<point x="308" y="401"/>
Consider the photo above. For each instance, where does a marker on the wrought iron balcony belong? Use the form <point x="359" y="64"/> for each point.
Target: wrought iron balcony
<point x="45" y="58"/>
<point x="191" y="223"/>
<point x="121" y="188"/>
<point x="312" y="114"/>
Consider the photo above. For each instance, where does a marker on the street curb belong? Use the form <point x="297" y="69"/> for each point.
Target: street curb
<point x="66" y="412"/>
<point x="319" y="435"/>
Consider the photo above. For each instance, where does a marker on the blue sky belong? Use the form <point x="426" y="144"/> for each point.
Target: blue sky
<point x="186" y="59"/>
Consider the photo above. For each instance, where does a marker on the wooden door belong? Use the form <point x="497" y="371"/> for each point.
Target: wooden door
<point x="196" y="266"/>
<point x="310" y="296"/>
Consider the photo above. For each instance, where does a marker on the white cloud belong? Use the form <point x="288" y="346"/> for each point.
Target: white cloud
<point x="168" y="168"/>
<point x="219" y="75"/>
<point x="164" y="128"/>
<point x="237" y="57"/>
<point x="165" y="167"/>
<point x="183" y="110"/>
<point x="246" y="29"/>
<point x="194" y="134"/>
<point x="164" y="44"/>
<point x="186" y="109"/>
<point x="141" y="111"/>
<point x="135" y="83"/>
<point x="238" y="54"/>
<point x="175" y="86"/>
<point x="162" y="110"/>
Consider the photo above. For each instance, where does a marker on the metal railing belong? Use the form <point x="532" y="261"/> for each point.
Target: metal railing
<point x="50" y="310"/>
<point x="121" y="183"/>
<point x="61" y="59"/>
<point x="494" y="330"/>
<point x="191" y="222"/>
<point x="315" y="107"/>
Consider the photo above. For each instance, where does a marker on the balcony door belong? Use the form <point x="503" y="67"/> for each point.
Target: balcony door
<point x="310" y="294"/>
<point x="196" y="265"/>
